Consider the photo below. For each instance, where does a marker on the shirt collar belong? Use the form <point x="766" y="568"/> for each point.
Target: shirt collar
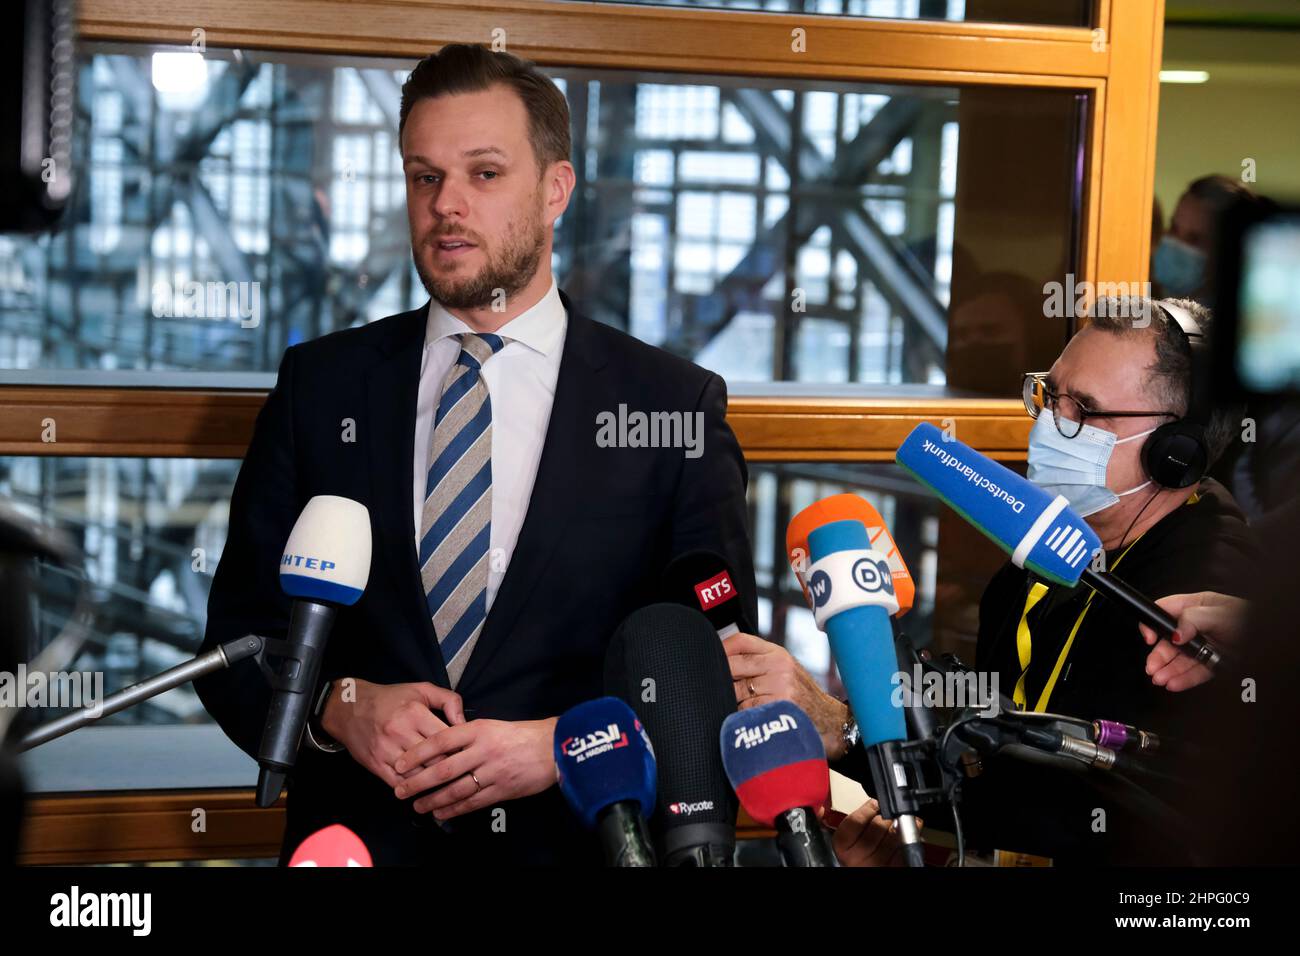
<point x="539" y="328"/>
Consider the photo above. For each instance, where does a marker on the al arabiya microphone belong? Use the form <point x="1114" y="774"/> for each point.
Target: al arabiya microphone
<point x="703" y="580"/>
<point x="325" y="566"/>
<point x="1038" y="530"/>
<point x="776" y="763"/>
<point x="853" y="598"/>
<point x="335" y="845"/>
<point x="666" y="663"/>
<point x="607" y="774"/>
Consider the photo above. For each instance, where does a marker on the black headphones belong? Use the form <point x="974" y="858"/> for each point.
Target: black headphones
<point x="1176" y="455"/>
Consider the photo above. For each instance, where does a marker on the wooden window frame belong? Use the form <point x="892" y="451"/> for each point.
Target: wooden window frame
<point x="1116" y="62"/>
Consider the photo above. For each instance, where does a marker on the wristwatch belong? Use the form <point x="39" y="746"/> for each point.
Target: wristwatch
<point x="850" y="733"/>
<point x="316" y="736"/>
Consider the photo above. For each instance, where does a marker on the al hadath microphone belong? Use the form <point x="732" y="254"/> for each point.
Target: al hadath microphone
<point x="607" y="774"/>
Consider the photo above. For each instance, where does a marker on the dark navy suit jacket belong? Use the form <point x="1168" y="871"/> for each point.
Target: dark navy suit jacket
<point x="602" y="524"/>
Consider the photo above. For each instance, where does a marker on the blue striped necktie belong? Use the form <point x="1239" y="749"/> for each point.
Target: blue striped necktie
<point x="456" y="524"/>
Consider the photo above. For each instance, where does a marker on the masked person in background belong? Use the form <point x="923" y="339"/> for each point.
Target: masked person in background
<point x="1182" y="261"/>
<point x="1257" y="472"/>
<point x="1104" y="416"/>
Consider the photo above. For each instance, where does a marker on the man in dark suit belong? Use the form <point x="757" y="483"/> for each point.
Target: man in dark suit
<point x="513" y="525"/>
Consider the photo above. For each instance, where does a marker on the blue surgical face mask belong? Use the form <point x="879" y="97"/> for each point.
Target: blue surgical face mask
<point x="1076" y="467"/>
<point x="1178" y="267"/>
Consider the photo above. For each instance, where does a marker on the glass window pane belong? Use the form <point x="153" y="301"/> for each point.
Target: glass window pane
<point x="152" y="531"/>
<point x="838" y="232"/>
<point x="1066" y="13"/>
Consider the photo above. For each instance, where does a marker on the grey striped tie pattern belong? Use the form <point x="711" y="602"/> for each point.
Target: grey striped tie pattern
<point x="456" y="524"/>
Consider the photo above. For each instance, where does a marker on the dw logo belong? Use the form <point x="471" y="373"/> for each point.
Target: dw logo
<point x="872" y="575"/>
<point x="820" y="587"/>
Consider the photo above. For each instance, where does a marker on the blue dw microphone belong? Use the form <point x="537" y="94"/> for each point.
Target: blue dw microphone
<point x="1037" y="529"/>
<point x="853" y="599"/>
<point x="607" y="773"/>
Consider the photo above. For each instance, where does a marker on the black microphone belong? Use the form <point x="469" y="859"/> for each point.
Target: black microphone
<point x="666" y="662"/>
<point x="703" y="580"/>
<point x="325" y="566"/>
<point x="1150" y="614"/>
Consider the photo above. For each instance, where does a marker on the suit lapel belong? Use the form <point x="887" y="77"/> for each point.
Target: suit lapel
<point x="569" y="444"/>
<point x="392" y="390"/>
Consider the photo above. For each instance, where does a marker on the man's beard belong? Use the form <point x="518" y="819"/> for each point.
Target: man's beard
<point x="503" y="275"/>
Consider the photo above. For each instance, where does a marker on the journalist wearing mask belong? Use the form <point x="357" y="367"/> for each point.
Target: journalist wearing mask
<point x="1124" y="430"/>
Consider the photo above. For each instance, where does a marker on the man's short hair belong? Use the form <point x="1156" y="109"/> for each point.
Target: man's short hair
<point x="1169" y="377"/>
<point x="471" y="68"/>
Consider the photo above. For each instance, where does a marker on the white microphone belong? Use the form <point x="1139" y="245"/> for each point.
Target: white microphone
<point x="325" y="566"/>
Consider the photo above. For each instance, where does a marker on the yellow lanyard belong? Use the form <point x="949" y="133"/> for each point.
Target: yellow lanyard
<point x="1024" y="643"/>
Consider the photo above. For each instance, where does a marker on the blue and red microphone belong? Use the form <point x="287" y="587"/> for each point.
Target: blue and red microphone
<point x="776" y="763"/>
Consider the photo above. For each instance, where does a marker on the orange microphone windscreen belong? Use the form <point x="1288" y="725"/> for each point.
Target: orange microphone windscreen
<point x="853" y="508"/>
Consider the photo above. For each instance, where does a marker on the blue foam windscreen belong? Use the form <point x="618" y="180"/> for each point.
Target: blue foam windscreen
<point x="775" y="759"/>
<point x="604" y="757"/>
<point x="1038" y="529"/>
<point x="861" y="638"/>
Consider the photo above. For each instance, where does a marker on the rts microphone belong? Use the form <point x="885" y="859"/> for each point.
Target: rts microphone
<point x="325" y="566"/>
<point x="335" y="845"/>
<point x="703" y="580"/>
<point x="607" y="773"/>
<point x="853" y="598"/>
<point x="666" y="662"/>
<point x="1037" y="529"/>
<point x="841" y="508"/>
<point x="776" y="763"/>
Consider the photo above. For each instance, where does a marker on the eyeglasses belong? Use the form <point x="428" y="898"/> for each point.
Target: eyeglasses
<point x="1068" y="412"/>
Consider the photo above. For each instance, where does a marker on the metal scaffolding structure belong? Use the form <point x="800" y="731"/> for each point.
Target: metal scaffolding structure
<point x="284" y="177"/>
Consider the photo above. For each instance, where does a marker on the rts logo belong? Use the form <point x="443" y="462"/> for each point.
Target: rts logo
<point x="714" y="591"/>
<point x="872" y="575"/>
<point x="686" y="809"/>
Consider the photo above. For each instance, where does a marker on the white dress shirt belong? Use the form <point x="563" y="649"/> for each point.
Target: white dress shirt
<point x="521" y="386"/>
